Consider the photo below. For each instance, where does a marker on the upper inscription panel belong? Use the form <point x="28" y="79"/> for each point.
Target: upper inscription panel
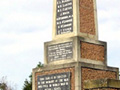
<point x="60" y="51"/>
<point x="64" y="18"/>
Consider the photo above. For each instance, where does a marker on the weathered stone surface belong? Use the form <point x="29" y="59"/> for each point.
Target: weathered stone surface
<point x="94" y="74"/>
<point x="87" y="19"/>
<point x="92" y="51"/>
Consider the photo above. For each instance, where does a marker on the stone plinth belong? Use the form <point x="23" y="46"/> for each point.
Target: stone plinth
<point x="75" y="49"/>
<point x="79" y="72"/>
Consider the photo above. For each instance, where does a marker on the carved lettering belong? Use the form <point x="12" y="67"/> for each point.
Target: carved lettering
<point x="60" y="51"/>
<point x="61" y="82"/>
<point x="64" y="19"/>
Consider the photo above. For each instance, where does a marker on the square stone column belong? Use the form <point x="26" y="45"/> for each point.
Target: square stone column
<point x="75" y="18"/>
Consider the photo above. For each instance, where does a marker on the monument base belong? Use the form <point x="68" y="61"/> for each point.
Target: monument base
<point x="70" y="76"/>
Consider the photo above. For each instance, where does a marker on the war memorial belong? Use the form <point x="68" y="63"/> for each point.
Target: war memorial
<point x="75" y="59"/>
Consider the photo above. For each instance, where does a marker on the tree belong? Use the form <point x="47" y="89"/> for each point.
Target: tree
<point x="5" y="85"/>
<point x="28" y="83"/>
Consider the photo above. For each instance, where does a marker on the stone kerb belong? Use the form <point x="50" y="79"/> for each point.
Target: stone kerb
<point x="102" y="83"/>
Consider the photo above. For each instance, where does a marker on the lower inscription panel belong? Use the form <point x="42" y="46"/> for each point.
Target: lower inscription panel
<point x="60" y="81"/>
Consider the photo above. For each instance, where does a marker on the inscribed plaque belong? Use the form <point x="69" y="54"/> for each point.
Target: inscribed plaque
<point x="60" y="51"/>
<point x="59" y="81"/>
<point x="64" y="18"/>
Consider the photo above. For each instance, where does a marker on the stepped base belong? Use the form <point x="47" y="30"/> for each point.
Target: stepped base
<point x="74" y="75"/>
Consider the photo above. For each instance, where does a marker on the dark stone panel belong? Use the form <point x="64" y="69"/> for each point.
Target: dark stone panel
<point x="59" y="81"/>
<point x="64" y="18"/>
<point x="60" y="51"/>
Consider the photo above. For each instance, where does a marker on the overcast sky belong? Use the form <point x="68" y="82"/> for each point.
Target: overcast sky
<point x="26" y="24"/>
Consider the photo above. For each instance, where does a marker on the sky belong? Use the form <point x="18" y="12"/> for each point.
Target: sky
<point x="26" y="24"/>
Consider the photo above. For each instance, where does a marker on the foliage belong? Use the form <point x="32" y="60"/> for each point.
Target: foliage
<point x="5" y="85"/>
<point x="28" y="83"/>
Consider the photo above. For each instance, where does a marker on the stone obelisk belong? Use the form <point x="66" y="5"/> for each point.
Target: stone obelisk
<point x="75" y="59"/>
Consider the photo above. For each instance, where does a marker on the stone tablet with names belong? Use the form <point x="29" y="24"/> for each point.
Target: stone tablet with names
<point x="60" y="81"/>
<point x="60" y="51"/>
<point x="64" y="18"/>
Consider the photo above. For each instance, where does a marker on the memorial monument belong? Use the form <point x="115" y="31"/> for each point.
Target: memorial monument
<point x="75" y="59"/>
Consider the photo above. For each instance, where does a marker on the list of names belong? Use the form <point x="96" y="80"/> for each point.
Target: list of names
<point x="64" y="19"/>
